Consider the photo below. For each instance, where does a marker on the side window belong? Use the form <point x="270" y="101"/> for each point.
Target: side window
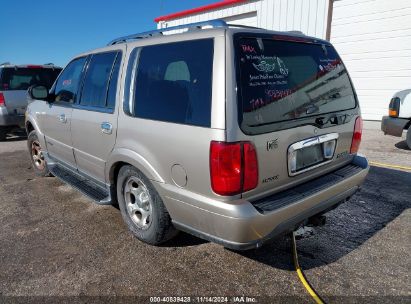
<point x="112" y="89"/>
<point x="68" y="82"/>
<point x="174" y="82"/>
<point x="96" y="81"/>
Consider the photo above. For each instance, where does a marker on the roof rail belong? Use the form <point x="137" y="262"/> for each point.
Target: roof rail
<point x="198" y="25"/>
<point x="5" y="63"/>
<point x="244" y="26"/>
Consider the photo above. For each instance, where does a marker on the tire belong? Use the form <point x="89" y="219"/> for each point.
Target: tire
<point x="142" y="208"/>
<point x="409" y="138"/>
<point x="38" y="162"/>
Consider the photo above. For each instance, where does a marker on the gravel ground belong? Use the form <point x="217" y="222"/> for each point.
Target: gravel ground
<point x="54" y="242"/>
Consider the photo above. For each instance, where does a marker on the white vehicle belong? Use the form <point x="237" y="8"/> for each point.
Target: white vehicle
<point x="399" y="118"/>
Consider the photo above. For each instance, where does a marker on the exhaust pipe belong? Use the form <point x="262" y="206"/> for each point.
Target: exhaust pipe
<point x="317" y="221"/>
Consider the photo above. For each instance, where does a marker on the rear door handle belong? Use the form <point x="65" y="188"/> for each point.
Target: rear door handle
<point x="62" y="118"/>
<point x="106" y="128"/>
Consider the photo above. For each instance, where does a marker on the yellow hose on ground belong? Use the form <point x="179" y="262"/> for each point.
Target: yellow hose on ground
<point x="301" y="276"/>
<point x="300" y="273"/>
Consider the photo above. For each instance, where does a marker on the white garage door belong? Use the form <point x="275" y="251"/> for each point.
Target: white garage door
<point x="249" y="19"/>
<point x="374" y="40"/>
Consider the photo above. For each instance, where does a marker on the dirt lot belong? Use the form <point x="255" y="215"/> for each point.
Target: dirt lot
<point x="56" y="242"/>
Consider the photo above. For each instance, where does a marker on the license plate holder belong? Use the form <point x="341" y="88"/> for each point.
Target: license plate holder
<point x="311" y="153"/>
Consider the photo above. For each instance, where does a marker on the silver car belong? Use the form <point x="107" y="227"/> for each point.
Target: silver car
<point x="230" y="133"/>
<point x="399" y="118"/>
<point x="14" y="82"/>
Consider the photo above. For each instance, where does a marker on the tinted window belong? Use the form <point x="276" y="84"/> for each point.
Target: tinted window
<point x="288" y="80"/>
<point x="174" y="82"/>
<point x="97" y="78"/>
<point x="68" y="82"/>
<point x="112" y="89"/>
<point x="21" y="78"/>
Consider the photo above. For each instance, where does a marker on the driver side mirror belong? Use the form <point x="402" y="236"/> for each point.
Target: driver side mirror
<point x="39" y="92"/>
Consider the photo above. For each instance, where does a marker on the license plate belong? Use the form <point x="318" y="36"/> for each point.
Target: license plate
<point x="309" y="156"/>
<point x="311" y="153"/>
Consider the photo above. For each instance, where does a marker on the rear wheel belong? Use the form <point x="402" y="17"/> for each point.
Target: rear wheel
<point x="409" y="137"/>
<point x="142" y="207"/>
<point x="36" y="155"/>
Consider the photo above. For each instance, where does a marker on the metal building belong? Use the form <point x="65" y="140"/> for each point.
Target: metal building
<point x="373" y="37"/>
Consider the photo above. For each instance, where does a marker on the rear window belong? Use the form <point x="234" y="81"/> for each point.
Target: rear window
<point x="22" y="78"/>
<point x="282" y="81"/>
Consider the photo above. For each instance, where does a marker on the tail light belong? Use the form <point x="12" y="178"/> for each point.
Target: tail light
<point x="2" y="100"/>
<point x="394" y="107"/>
<point x="356" y="137"/>
<point x="233" y="167"/>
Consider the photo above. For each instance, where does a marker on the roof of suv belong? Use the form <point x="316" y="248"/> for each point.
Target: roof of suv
<point x="207" y="25"/>
<point x="198" y="29"/>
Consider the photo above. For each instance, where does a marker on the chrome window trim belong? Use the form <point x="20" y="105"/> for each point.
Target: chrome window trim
<point x="93" y="108"/>
<point x="133" y="82"/>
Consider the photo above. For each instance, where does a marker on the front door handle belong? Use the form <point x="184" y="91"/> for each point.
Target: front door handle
<point x="106" y="127"/>
<point x="62" y="118"/>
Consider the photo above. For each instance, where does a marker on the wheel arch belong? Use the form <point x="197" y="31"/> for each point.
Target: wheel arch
<point x="29" y="127"/>
<point x="122" y="157"/>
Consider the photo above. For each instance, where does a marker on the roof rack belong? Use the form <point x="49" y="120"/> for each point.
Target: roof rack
<point x="5" y="63"/>
<point x="198" y="25"/>
<point x="295" y="32"/>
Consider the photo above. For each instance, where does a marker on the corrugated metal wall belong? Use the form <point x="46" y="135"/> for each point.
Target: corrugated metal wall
<point x="374" y="40"/>
<point x="308" y="16"/>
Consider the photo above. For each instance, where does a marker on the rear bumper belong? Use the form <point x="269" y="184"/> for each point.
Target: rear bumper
<point x="287" y="225"/>
<point x="393" y="126"/>
<point x="9" y="120"/>
<point x="243" y="225"/>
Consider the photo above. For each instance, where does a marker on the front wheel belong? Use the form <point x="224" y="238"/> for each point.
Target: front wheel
<point x="3" y="134"/>
<point x="142" y="207"/>
<point x="409" y="138"/>
<point x="36" y="155"/>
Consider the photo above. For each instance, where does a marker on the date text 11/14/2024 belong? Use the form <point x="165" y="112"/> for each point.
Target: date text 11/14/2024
<point x="203" y="299"/>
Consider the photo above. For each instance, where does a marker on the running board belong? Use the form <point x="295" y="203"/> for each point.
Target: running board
<point x="86" y="186"/>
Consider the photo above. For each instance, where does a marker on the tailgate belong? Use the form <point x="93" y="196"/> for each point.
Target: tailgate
<point x="16" y="101"/>
<point x="296" y="104"/>
<point x="274" y="156"/>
